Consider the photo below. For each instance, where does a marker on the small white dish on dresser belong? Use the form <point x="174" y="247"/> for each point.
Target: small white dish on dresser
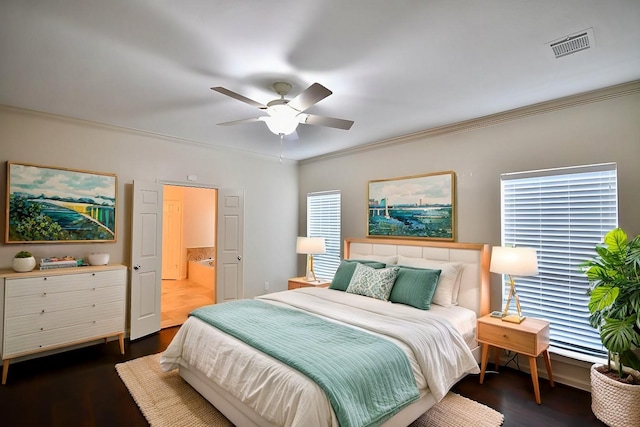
<point x="98" y="258"/>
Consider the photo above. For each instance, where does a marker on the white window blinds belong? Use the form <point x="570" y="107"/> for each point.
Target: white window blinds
<point x="323" y="220"/>
<point x="563" y="213"/>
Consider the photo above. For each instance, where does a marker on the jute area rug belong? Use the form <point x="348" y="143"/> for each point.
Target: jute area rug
<point x="166" y="399"/>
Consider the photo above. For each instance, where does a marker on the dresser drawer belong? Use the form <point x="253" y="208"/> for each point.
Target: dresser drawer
<point x="33" y="323"/>
<point x="48" y="339"/>
<point x="60" y="301"/>
<point x="63" y="283"/>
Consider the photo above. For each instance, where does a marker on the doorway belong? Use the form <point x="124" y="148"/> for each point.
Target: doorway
<point x="188" y="251"/>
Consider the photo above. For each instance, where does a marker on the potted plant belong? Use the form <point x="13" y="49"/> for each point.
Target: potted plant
<point x="23" y="262"/>
<point x="614" y="304"/>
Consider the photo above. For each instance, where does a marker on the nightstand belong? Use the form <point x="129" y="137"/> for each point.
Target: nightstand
<point x="530" y="338"/>
<point x="300" y="282"/>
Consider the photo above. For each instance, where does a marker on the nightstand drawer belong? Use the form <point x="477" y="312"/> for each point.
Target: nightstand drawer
<point x="517" y="341"/>
<point x="530" y="337"/>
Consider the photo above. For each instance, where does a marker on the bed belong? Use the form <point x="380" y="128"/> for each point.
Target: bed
<point x="253" y="388"/>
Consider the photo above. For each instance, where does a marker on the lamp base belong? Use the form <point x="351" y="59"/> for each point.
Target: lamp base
<point x="310" y="277"/>
<point x="513" y="318"/>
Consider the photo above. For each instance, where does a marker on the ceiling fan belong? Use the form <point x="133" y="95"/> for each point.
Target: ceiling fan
<point x="284" y="115"/>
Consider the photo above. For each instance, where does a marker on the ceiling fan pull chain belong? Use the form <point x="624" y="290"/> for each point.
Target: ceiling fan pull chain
<point x="281" y="145"/>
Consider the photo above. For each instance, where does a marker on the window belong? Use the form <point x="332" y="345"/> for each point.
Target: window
<point x="323" y="220"/>
<point x="563" y="213"/>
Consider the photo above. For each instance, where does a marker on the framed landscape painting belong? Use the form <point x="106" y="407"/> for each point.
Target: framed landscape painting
<point x="56" y="205"/>
<point x="421" y="206"/>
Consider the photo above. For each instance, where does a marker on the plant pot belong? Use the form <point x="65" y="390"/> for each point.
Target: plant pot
<point x="22" y="265"/>
<point x="612" y="402"/>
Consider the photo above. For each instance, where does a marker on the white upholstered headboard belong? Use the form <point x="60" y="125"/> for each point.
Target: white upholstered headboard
<point x="475" y="286"/>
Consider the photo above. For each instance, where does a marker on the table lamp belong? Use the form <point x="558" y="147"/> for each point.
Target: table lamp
<point x="513" y="262"/>
<point x="310" y="246"/>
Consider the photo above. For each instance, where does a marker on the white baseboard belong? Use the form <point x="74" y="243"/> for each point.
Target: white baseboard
<point x="570" y="372"/>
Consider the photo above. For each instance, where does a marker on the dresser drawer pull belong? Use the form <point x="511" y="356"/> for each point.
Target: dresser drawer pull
<point x="42" y="329"/>
<point x="93" y="305"/>
<point x="42" y="311"/>
<point x="44" y="294"/>
<point x="44" y="278"/>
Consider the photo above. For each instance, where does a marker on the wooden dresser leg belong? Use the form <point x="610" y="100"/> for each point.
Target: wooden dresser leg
<point x="121" y="341"/>
<point x="534" y="378"/>
<point x="547" y="361"/>
<point x="5" y="370"/>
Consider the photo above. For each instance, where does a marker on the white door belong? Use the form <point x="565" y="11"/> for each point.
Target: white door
<point x="171" y="239"/>
<point x="230" y="285"/>
<point x="146" y="259"/>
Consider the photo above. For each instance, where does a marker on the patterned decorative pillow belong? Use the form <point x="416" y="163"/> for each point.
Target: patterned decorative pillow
<point x="372" y="282"/>
<point x="345" y="272"/>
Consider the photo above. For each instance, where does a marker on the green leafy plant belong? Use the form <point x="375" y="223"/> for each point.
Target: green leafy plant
<point x="26" y="221"/>
<point x="23" y="254"/>
<point x="614" y="303"/>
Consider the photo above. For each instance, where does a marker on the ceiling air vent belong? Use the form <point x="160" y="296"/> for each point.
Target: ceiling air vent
<point x="573" y="43"/>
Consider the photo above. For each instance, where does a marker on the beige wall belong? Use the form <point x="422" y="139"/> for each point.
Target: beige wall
<point x="199" y="217"/>
<point x="602" y="127"/>
<point x="270" y="187"/>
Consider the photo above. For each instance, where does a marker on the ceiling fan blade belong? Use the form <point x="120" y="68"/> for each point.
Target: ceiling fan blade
<point x="328" y="122"/>
<point x="309" y="97"/>
<point x="241" y="121"/>
<point x="239" y="97"/>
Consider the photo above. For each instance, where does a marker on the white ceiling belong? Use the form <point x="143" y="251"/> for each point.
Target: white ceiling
<point x="395" y="67"/>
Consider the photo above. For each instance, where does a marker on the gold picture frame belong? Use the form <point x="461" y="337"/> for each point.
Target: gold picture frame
<point x="413" y="207"/>
<point x="48" y="204"/>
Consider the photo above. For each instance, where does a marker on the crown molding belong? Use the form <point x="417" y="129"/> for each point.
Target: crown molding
<point x="617" y="91"/>
<point x="139" y="132"/>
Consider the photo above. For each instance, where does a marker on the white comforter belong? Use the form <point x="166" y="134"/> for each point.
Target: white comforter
<point x="436" y="350"/>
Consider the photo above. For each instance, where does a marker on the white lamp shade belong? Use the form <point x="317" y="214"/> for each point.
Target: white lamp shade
<point x="514" y="261"/>
<point x="310" y="245"/>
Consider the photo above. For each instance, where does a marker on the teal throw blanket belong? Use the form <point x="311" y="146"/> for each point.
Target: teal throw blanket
<point x="363" y="388"/>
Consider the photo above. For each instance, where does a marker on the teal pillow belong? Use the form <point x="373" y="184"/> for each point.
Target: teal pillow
<point x="372" y="282"/>
<point x="415" y="287"/>
<point x="345" y="271"/>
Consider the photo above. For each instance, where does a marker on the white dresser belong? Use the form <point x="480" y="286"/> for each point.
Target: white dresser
<point x="50" y="309"/>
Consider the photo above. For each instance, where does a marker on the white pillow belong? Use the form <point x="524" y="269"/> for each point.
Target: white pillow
<point x="449" y="282"/>
<point x="385" y="259"/>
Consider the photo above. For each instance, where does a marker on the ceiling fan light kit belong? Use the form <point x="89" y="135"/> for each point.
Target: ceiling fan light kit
<point x="285" y="115"/>
<point x="281" y="124"/>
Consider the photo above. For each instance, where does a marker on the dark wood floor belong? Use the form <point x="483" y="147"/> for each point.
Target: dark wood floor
<point x="81" y="388"/>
